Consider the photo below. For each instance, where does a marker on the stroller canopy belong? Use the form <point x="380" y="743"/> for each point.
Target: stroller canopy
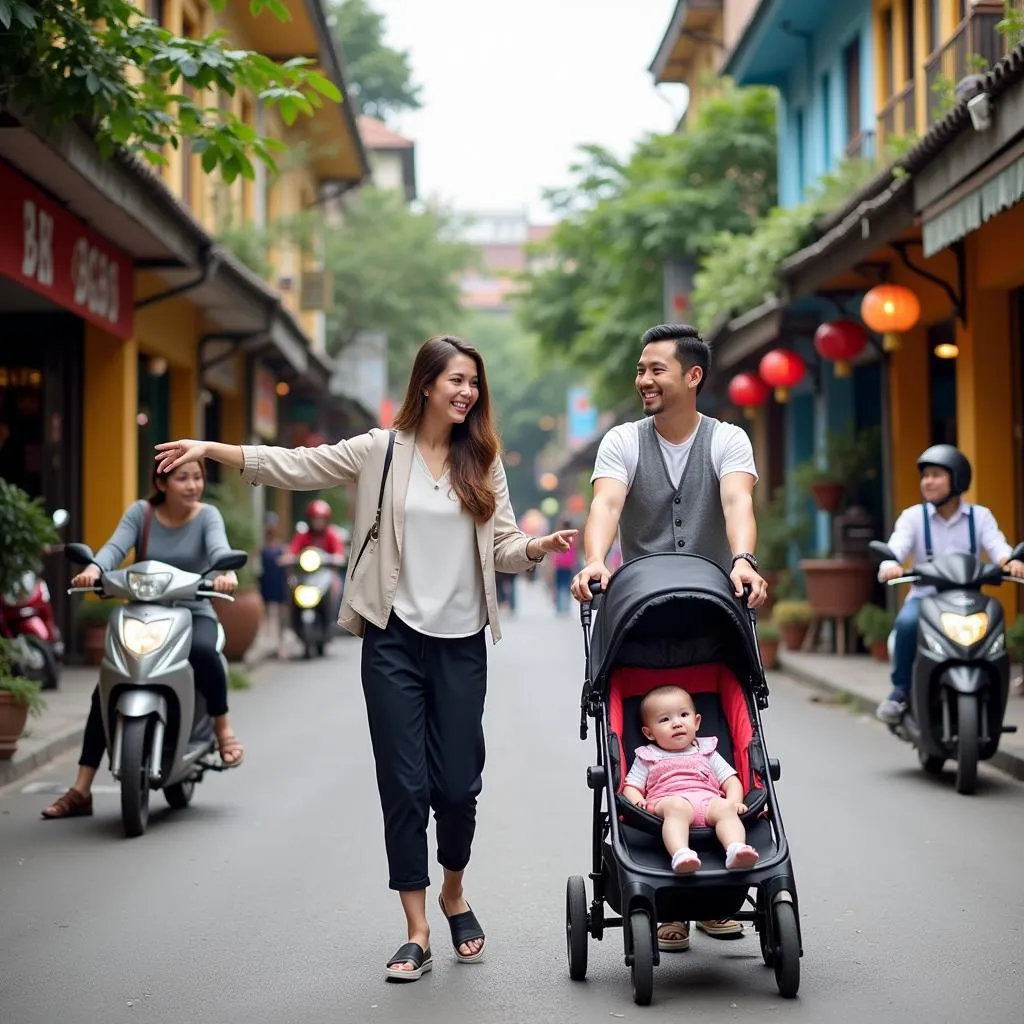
<point x="672" y="610"/>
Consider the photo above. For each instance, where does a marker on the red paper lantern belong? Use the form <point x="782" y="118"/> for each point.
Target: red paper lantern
<point x="890" y="309"/>
<point x="749" y="391"/>
<point x="782" y="369"/>
<point x="840" y="341"/>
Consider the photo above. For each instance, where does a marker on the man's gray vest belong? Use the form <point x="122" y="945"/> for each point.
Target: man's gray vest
<point x="659" y="517"/>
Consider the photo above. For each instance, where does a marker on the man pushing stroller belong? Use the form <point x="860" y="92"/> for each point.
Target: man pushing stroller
<point x="675" y="481"/>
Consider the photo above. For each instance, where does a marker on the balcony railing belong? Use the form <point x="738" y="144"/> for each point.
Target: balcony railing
<point x="898" y="117"/>
<point x="974" y="47"/>
<point x="862" y="145"/>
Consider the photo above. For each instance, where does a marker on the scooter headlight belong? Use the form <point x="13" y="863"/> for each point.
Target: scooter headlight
<point x="307" y="597"/>
<point x="148" y="586"/>
<point x="144" y="637"/>
<point x="965" y="630"/>
<point x="310" y="560"/>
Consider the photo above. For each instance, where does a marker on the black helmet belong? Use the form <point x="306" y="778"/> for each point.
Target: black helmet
<point x="947" y="457"/>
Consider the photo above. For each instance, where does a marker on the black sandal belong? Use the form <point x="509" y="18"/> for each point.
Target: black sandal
<point x="464" y="928"/>
<point x="411" y="953"/>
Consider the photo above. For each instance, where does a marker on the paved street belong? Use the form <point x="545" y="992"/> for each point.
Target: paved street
<point x="265" y="903"/>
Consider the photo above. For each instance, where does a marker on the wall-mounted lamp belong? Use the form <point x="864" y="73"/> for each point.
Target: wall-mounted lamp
<point x="946" y="350"/>
<point x="282" y="388"/>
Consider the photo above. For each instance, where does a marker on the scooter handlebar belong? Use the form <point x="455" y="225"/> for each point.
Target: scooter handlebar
<point x="210" y="592"/>
<point x="85" y="590"/>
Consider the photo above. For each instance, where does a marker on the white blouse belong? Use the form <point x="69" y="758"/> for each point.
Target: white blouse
<point x="440" y="586"/>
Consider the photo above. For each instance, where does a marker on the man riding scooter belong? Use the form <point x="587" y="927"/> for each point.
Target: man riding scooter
<point x="943" y="524"/>
<point x="325" y="537"/>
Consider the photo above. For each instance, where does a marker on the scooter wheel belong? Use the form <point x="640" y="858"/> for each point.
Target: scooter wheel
<point x="135" y="763"/>
<point x="967" y="743"/>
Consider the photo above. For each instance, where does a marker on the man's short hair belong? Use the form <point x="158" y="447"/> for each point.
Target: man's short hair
<point x="691" y="349"/>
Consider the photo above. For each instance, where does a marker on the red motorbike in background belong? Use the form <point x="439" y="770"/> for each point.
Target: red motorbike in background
<point x="26" y="619"/>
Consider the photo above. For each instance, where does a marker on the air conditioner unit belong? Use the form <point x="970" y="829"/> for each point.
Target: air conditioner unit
<point x="317" y="291"/>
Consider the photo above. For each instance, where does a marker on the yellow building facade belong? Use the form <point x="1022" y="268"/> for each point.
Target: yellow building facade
<point x="186" y="351"/>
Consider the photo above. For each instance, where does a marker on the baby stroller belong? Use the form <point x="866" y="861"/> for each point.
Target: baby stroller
<point x="674" y="619"/>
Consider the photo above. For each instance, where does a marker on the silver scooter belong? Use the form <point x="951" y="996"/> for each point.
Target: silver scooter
<point x="159" y="734"/>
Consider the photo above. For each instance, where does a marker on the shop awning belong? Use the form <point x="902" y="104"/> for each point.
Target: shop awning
<point x="741" y="337"/>
<point x="993" y="189"/>
<point x="129" y="205"/>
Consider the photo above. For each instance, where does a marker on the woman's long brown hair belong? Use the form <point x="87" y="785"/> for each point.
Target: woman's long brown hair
<point x="474" y="443"/>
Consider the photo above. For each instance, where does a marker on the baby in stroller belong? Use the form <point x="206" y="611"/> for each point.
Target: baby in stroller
<point x="683" y="780"/>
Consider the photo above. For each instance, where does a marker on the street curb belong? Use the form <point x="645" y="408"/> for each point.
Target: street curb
<point x="17" y="768"/>
<point x="11" y="771"/>
<point x="1011" y="764"/>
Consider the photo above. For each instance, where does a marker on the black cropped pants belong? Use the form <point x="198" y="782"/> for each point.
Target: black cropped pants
<point x="211" y="682"/>
<point x="425" y="704"/>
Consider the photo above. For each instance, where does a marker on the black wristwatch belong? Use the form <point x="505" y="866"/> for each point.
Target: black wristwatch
<point x="748" y="556"/>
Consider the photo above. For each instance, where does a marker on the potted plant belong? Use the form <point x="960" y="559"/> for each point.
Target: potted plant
<point x="822" y="483"/>
<point x="768" y="642"/>
<point x="779" y="529"/>
<point x="793" y="619"/>
<point x="874" y="624"/>
<point x="241" y="618"/>
<point x="92" y="616"/>
<point x="19" y="698"/>
<point x="837" y="586"/>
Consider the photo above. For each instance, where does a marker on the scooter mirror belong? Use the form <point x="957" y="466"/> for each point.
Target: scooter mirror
<point x="60" y="518"/>
<point x="78" y="554"/>
<point x="302" y="526"/>
<point x="230" y="560"/>
<point x="883" y="551"/>
<point x="1017" y="553"/>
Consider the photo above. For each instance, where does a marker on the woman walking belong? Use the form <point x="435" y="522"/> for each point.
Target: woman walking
<point x="432" y="523"/>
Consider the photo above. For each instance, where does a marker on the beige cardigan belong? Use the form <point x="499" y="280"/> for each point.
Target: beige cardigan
<point x="370" y="586"/>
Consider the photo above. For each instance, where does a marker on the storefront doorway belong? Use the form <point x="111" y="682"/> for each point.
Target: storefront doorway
<point x="942" y="381"/>
<point x="41" y="425"/>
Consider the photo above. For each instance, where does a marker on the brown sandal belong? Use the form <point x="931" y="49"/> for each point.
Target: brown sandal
<point x="71" y="805"/>
<point x="231" y="745"/>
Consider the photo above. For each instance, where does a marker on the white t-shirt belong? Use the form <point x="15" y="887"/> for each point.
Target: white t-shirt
<point x="619" y="453"/>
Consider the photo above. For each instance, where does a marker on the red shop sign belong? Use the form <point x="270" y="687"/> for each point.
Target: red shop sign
<point x="51" y="251"/>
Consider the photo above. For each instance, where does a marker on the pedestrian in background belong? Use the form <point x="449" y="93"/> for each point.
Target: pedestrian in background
<point x="433" y="512"/>
<point x="274" y="583"/>
<point x="564" y="565"/>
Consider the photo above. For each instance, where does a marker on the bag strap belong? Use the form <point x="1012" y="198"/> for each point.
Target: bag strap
<point x="147" y="522"/>
<point x="927" y="532"/>
<point x="374" y="532"/>
<point x="970" y="527"/>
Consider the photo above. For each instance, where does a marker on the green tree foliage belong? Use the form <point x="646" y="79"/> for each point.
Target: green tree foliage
<point x="102" y="64"/>
<point x="394" y="270"/>
<point x="378" y="75"/>
<point x="599" y="285"/>
<point x="740" y="270"/>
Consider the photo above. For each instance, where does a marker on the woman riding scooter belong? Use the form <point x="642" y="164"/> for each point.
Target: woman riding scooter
<point x="175" y="527"/>
<point x="942" y="524"/>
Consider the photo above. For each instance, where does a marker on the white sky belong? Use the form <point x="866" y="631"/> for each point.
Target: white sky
<point x="510" y="88"/>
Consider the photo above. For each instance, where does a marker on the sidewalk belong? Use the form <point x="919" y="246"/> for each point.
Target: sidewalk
<point x="865" y="681"/>
<point x="60" y="727"/>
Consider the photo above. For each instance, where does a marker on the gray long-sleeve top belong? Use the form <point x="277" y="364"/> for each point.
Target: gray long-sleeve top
<point x="192" y="547"/>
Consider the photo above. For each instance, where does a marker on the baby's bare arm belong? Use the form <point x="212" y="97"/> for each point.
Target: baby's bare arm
<point x="634" y="796"/>
<point x="732" y="789"/>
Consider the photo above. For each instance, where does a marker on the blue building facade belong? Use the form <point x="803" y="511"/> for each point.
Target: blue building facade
<point x="820" y="56"/>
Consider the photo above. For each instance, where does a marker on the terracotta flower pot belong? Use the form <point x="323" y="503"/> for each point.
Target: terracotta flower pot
<point x="12" y="724"/>
<point x="769" y="652"/>
<point x="794" y="634"/>
<point x="94" y="641"/>
<point x="838" y="587"/>
<point x="241" y="620"/>
<point x="828" y="496"/>
<point x="880" y="650"/>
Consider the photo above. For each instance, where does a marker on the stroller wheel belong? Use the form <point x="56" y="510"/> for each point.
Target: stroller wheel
<point x="786" y="952"/>
<point x="642" y="965"/>
<point x="576" y="935"/>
